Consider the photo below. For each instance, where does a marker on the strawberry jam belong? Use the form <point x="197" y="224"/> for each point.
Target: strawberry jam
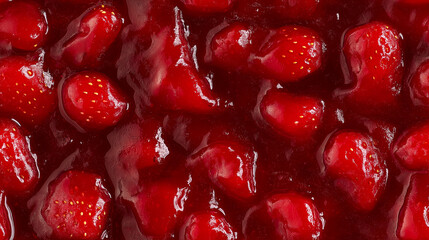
<point x="214" y="119"/>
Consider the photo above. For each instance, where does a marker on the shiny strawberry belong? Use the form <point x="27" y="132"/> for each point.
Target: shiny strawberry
<point x="88" y="37"/>
<point x="164" y="74"/>
<point x="413" y="224"/>
<point x="373" y="66"/>
<point x="419" y="86"/>
<point x="158" y="207"/>
<point x="283" y="216"/>
<point x="412" y="148"/>
<point x="231" y="47"/>
<point x="294" y="116"/>
<point x="76" y="207"/>
<point x="23" y="24"/>
<point x="92" y="102"/>
<point x="26" y="91"/>
<point x="139" y="144"/>
<point x="206" y="225"/>
<point x="229" y="165"/>
<point x="18" y="167"/>
<point x="356" y="167"/>
<point x="290" y="54"/>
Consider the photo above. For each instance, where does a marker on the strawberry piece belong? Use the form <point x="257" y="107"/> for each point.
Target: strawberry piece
<point x="231" y="47"/>
<point x="5" y="223"/>
<point x="357" y="168"/>
<point x="206" y="225"/>
<point x="419" y="86"/>
<point x="139" y="144"/>
<point x="88" y="37"/>
<point x="164" y="74"/>
<point x="412" y="224"/>
<point x="23" y="24"/>
<point x="27" y="92"/>
<point x="290" y="54"/>
<point x="158" y="207"/>
<point x="92" y="102"/>
<point x="77" y="206"/>
<point x="412" y="148"/>
<point x="208" y="6"/>
<point x="294" y="216"/>
<point x="297" y="10"/>
<point x="18" y="167"/>
<point x="294" y="116"/>
<point x="230" y="166"/>
<point x="283" y="216"/>
<point x="373" y="57"/>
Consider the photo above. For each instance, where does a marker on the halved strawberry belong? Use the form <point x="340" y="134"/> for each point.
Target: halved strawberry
<point x="26" y="91"/>
<point x="206" y="225"/>
<point x="295" y="116"/>
<point x="23" y="24"/>
<point x="290" y="54"/>
<point x="229" y="165"/>
<point x="91" y="101"/>
<point x="158" y="207"/>
<point x="18" y="167"/>
<point x="373" y="66"/>
<point x="76" y="207"/>
<point x="356" y="167"/>
<point x="88" y="37"/>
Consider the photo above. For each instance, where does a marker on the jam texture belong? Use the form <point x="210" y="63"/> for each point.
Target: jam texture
<point x="214" y="119"/>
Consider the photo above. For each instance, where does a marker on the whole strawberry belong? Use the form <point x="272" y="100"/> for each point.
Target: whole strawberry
<point x="91" y="101"/>
<point x="26" y="91"/>
<point x="76" y="207"/>
<point x="374" y="66"/>
<point x="18" y="168"/>
<point x="290" y="54"/>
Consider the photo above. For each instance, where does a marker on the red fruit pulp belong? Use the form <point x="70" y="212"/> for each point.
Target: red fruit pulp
<point x="226" y="119"/>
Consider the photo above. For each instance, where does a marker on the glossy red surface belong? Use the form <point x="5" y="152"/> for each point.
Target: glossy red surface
<point x="226" y="119"/>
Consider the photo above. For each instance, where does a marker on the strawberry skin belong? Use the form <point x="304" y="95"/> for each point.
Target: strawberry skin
<point x="294" y="116"/>
<point x="412" y="222"/>
<point x="165" y="74"/>
<point x="18" y="167"/>
<point x="23" y="24"/>
<point x="88" y="37"/>
<point x="77" y="206"/>
<point x="412" y="148"/>
<point x="158" y="207"/>
<point x="290" y="53"/>
<point x="92" y="102"/>
<point x="373" y="57"/>
<point x="356" y="167"/>
<point x="206" y="225"/>
<point x="26" y="91"/>
<point x="230" y="166"/>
